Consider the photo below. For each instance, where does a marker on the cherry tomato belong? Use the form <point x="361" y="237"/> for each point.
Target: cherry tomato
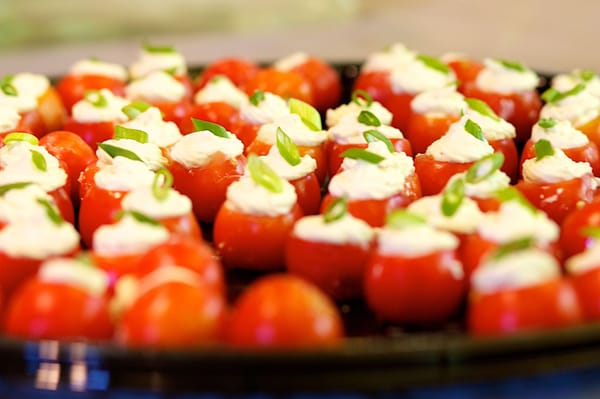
<point x="376" y="83"/>
<point x="63" y="203"/>
<point x="221" y="113"/>
<point x="414" y="290"/>
<point x="422" y="129"/>
<point x="549" y="305"/>
<point x="91" y="132"/>
<point x="245" y="131"/>
<point x="47" y="310"/>
<point x="308" y="191"/>
<point x="178" y="113"/>
<point x="588" y="153"/>
<point x="434" y="175"/>
<point x="573" y="240"/>
<point x="238" y="70"/>
<point x="98" y="207"/>
<point x="465" y="69"/>
<point x="284" y="311"/>
<point x="587" y="288"/>
<point x="32" y="122"/>
<point x="324" y="80"/>
<point x="399" y="105"/>
<point x="285" y="84"/>
<point x="72" y="88"/>
<point x="490" y="204"/>
<point x="253" y="242"/>
<point x="511" y="156"/>
<point x="51" y="110"/>
<point x="592" y="130"/>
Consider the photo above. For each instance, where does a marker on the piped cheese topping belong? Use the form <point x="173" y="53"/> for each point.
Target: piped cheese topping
<point x="418" y="240"/>
<point x="492" y="129"/>
<point x="195" y="150"/>
<point x="566" y="81"/>
<point x="415" y="77"/>
<point x="562" y="135"/>
<point x="513" y="271"/>
<point x="346" y="230"/>
<point x="156" y="87"/>
<point x="554" y="168"/>
<point x="441" y="102"/>
<point x="149" y="62"/>
<point x="388" y="59"/>
<point x="16" y="160"/>
<point x="465" y="220"/>
<point x="127" y="237"/>
<point x="20" y="205"/>
<point x="123" y="174"/>
<point x="487" y="187"/>
<point x="86" y="112"/>
<point x="459" y="146"/>
<point x="39" y="240"/>
<point x="99" y="68"/>
<point x="221" y="89"/>
<point x="514" y="221"/>
<point x="578" y="109"/>
<point x="74" y="273"/>
<point x="29" y="87"/>
<point x="350" y="131"/>
<point x="293" y="126"/>
<point x="498" y="78"/>
<point x="142" y="200"/>
<point x="284" y="169"/>
<point x="353" y="109"/>
<point x="248" y="197"/>
<point x="160" y="132"/>
<point x="584" y="261"/>
<point x="149" y="153"/>
<point x="269" y="109"/>
<point x="291" y="61"/>
<point x="9" y="118"/>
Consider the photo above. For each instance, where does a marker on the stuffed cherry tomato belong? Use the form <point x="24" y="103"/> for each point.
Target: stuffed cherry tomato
<point x="252" y="226"/>
<point x="237" y="70"/>
<point x="295" y="313"/>
<point x="584" y="271"/>
<point x="509" y="88"/>
<point x="414" y="275"/>
<point x="573" y="236"/>
<point x="361" y="101"/>
<point x="287" y="84"/>
<point x="142" y="116"/>
<point x="331" y="251"/>
<point x="465" y="68"/>
<point x="66" y="300"/>
<point x="219" y="101"/>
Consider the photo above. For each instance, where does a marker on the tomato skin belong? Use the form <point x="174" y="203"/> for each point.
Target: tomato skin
<point x="174" y="315"/>
<point x="253" y="242"/>
<point x="117" y="265"/>
<point x="376" y="83"/>
<point x="98" y="207"/>
<point x="549" y="305"/>
<point x="245" y="131"/>
<point x="520" y="109"/>
<point x="63" y="203"/>
<point x="587" y="288"/>
<point x="178" y="113"/>
<point x="86" y="179"/>
<point x="44" y="310"/>
<point x="558" y="199"/>
<point x="238" y="70"/>
<point x="286" y="84"/>
<point x="221" y="113"/>
<point x="284" y="312"/>
<point x="375" y="211"/>
<point x="337" y="269"/>
<point x="51" y="110"/>
<point x="319" y="154"/>
<point x="588" y="153"/>
<point x="70" y="148"/>
<point x="207" y="185"/>
<point x="14" y="271"/>
<point x="399" y="105"/>
<point x="184" y="225"/>
<point x="508" y="148"/>
<point x="419" y="290"/>
<point x="434" y="175"/>
<point x="423" y="129"/>
<point x="91" y="132"/>
<point x="572" y="238"/>
<point x="308" y="191"/>
<point x="592" y="130"/>
<point x="490" y="204"/>
<point x="466" y="71"/>
<point x="324" y="80"/>
<point x="71" y="88"/>
<point x="32" y="122"/>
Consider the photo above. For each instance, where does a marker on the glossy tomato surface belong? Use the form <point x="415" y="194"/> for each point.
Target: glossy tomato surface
<point x="324" y="80"/>
<point x="423" y="129"/>
<point x="72" y="88"/>
<point x="91" y="132"/>
<point x="286" y="84"/>
<point x="238" y="70"/>
<point x="308" y="191"/>
<point x="98" y="207"/>
<point x="587" y="287"/>
<point x="508" y="148"/>
<point x="573" y="239"/>
<point x="221" y="113"/>
<point x="434" y="175"/>
<point x="376" y="83"/>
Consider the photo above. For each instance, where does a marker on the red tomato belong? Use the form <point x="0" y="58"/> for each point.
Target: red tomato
<point x="284" y="311"/>
<point x="32" y="122"/>
<point x="376" y="83"/>
<point x="416" y="290"/>
<point x="223" y="114"/>
<point x="70" y="148"/>
<point x="245" y="131"/>
<point x="337" y="269"/>
<point x="520" y="109"/>
<point x="588" y="153"/>
<point x="319" y="154"/>
<point x="399" y="105"/>
<point x="549" y="305"/>
<point x="434" y="175"/>
<point x="253" y="242"/>
<point x="45" y="310"/>
<point x="72" y="88"/>
<point x="572" y="237"/>
<point x="98" y="207"/>
<point x="86" y="179"/>
<point x="15" y="271"/>
<point x="285" y="84"/>
<point x="465" y="69"/>
<point x="117" y="265"/>
<point x="511" y="156"/>
<point x="178" y="113"/>
<point x="558" y="199"/>
<point x="587" y="288"/>
<point x="184" y="225"/>
<point x="592" y="130"/>
<point x="63" y="203"/>
<point x="91" y="132"/>
<point x="308" y="191"/>
<point x="174" y="315"/>
<point x="422" y="130"/>
<point x="51" y="110"/>
<point x="238" y="70"/>
<point x="324" y="80"/>
<point x="490" y="204"/>
<point x="207" y="186"/>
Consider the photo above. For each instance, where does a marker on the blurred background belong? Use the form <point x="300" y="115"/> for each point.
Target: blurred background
<point x="48" y="36"/>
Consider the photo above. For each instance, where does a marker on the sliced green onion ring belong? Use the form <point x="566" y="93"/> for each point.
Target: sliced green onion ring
<point x="401" y="218"/>
<point x="114" y="151"/>
<point x="257" y="97"/>
<point x="375" y="135"/>
<point x="515" y="66"/>
<point x="134" y="109"/>
<point x="519" y="244"/>
<point x="587" y="75"/>
<point x="287" y="148"/>
<point x="547" y="123"/>
<point x="481" y="107"/>
<point x="368" y="118"/>
<point x="140" y="217"/>
<point x="543" y="148"/>
<point x="452" y="197"/>
<point x="362" y="155"/>
<point x="21" y="136"/>
<point x="39" y="160"/>
<point x="7" y="87"/>
<point x="162" y="183"/>
<point x="263" y="175"/>
<point x="512" y="194"/>
<point x="149" y="48"/>
<point x="214" y="128"/>
<point x="95" y="98"/>
<point x="309" y="115"/>
<point x="553" y="96"/>
<point x="434" y="63"/>
<point x="484" y="168"/>
<point x="51" y="210"/>
<point x="122" y="132"/>
<point x="337" y="209"/>
<point x="13" y="186"/>
<point x="591" y="232"/>
<point x="474" y="129"/>
<point x="362" y="98"/>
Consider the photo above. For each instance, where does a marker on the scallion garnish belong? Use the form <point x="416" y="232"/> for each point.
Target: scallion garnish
<point x="543" y="148"/>
<point x="434" y="63"/>
<point x="20" y="136"/>
<point x="515" y="66"/>
<point x="362" y="98"/>
<point x="13" y="186"/>
<point x="452" y="197"/>
<point x="134" y="109"/>
<point x="257" y="97"/>
<point x="547" y="123"/>
<point x="95" y="98"/>
<point x="122" y="132"/>
<point x="368" y="118"/>
<point x="263" y="175"/>
<point x="363" y="155"/>
<point x="162" y="183"/>
<point x="484" y="168"/>
<point x="39" y="160"/>
<point x="375" y="135"/>
<point x="287" y="148"/>
<point x="553" y="96"/>
<point x="309" y="115"/>
<point x="481" y="107"/>
<point x="336" y="210"/>
<point x="214" y="128"/>
<point x="474" y="130"/>
<point x="401" y="218"/>
<point x="51" y="210"/>
<point x="114" y="151"/>
<point x="519" y="244"/>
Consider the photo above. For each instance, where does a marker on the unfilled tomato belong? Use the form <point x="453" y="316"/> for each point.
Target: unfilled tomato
<point x="285" y="84"/>
<point x="282" y="312"/>
<point x="238" y="70"/>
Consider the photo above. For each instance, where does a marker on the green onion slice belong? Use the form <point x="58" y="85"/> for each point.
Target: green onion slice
<point x="586" y="75"/>
<point x="362" y="97"/>
<point x="452" y="197"/>
<point x="374" y="135"/>
<point x="434" y="63"/>
<point x="95" y="98"/>
<point x="39" y="160"/>
<point x="13" y="186"/>
<point x="309" y="115"/>
<point x="20" y="136"/>
<point x="543" y="148"/>
<point x="519" y="244"/>
<point x="368" y="118"/>
<point x="512" y="194"/>
<point x="122" y="132"/>
<point x="51" y="211"/>
<point x="336" y="210"/>
<point x="484" y="168"/>
<point x="363" y="155"/>
<point x="547" y="123"/>
<point x="7" y="87"/>
<point x="515" y="66"/>
<point x="134" y="109"/>
<point x="162" y="183"/>
<point x="263" y="175"/>
<point x="474" y="129"/>
<point x="171" y="71"/>
<point x="214" y="128"/>
<point x="140" y="217"/>
<point x="149" y="48"/>
<point x="287" y="148"/>
<point x="553" y="96"/>
<point x="114" y="151"/>
<point x="481" y="107"/>
<point x="257" y="97"/>
<point x="401" y="218"/>
<point x="591" y="232"/>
